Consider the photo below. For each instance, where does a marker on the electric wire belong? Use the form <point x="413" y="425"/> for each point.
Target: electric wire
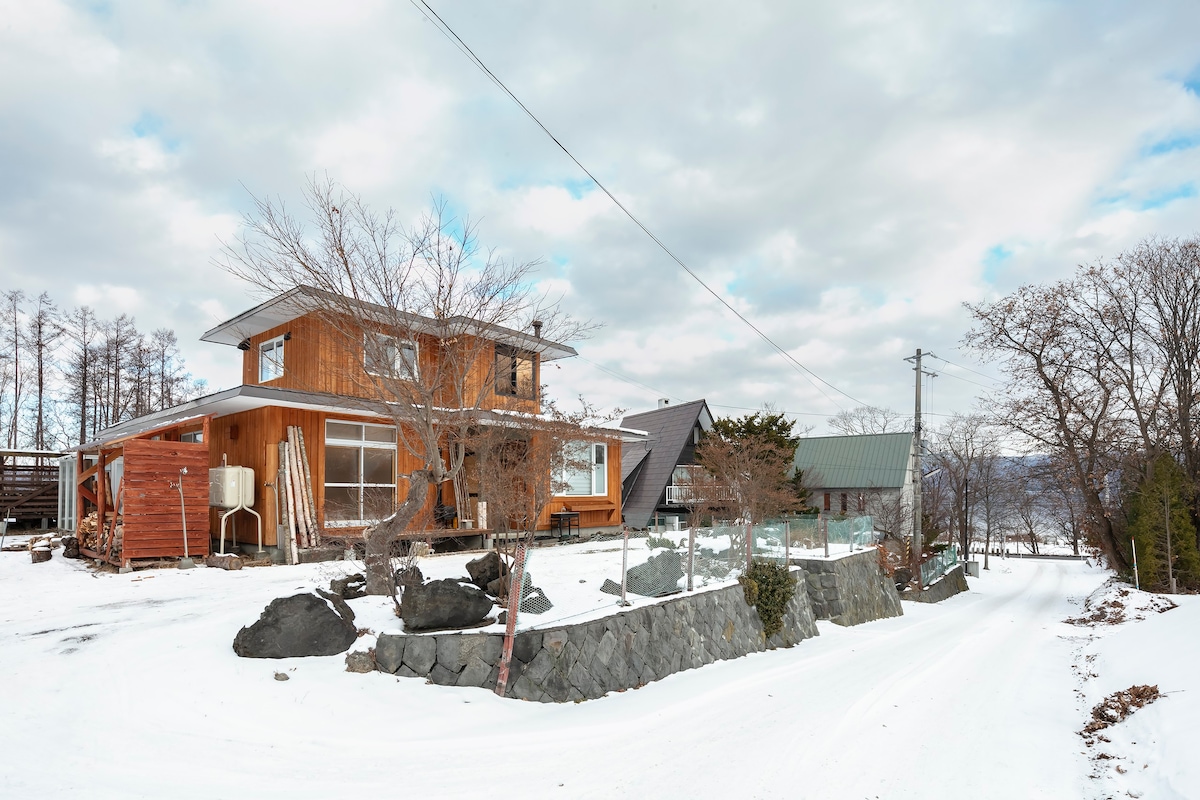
<point x="462" y="46"/>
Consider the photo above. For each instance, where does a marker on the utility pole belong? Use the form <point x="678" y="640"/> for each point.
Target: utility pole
<point x="917" y="471"/>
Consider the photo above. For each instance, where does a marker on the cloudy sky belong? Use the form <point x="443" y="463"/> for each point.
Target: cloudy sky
<point x="845" y="174"/>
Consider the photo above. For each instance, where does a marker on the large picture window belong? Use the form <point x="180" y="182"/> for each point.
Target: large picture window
<point x="389" y="356"/>
<point x="516" y="373"/>
<point x="360" y="472"/>
<point x="586" y="470"/>
<point x="270" y="360"/>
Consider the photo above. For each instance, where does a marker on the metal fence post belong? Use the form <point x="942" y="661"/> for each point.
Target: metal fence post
<point x="691" y="555"/>
<point x="823" y="521"/>
<point x="787" y="542"/>
<point x="749" y="544"/>
<point x="625" y="565"/>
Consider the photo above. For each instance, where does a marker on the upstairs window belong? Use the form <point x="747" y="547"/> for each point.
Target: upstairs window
<point x="270" y="360"/>
<point x="389" y="356"/>
<point x="586" y="472"/>
<point x="516" y="373"/>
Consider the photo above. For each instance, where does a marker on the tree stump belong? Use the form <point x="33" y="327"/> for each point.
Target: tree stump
<point x="40" y="554"/>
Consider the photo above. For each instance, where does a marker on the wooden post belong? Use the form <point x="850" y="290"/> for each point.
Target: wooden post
<point x="112" y="533"/>
<point x="291" y="511"/>
<point x="80" y="508"/>
<point x="101" y="496"/>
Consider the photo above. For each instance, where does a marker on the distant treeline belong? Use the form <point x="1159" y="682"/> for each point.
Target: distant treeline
<point x="66" y="375"/>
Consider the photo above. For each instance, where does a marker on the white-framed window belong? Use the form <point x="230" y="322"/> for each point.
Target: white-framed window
<point x="270" y="360"/>
<point x="516" y="373"/>
<point x="360" y="472"/>
<point x="389" y="356"/>
<point x="586" y="470"/>
<point x="192" y="436"/>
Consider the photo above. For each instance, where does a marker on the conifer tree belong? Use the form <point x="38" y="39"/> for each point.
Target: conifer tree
<point x="1158" y="510"/>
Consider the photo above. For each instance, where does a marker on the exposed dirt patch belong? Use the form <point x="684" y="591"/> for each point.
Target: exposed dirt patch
<point x="1114" y="604"/>
<point x="1117" y="706"/>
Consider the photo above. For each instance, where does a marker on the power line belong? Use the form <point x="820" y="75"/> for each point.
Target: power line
<point x="631" y="381"/>
<point x="454" y="38"/>
<point x="968" y="369"/>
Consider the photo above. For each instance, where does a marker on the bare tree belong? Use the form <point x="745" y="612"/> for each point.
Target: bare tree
<point x="379" y="287"/>
<point x="1102" y="372"/>
<point x="521" y="462"/>
<point x="869" y="419"/>
<point x="964" y="447"/>
<point x="11" y="316"/>
<point x="41" y="332"/>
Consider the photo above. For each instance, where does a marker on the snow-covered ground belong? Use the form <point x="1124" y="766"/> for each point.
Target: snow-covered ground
<point x="126" y="686"/>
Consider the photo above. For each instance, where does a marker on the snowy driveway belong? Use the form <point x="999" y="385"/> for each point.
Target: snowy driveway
<point x="974" y="697"/>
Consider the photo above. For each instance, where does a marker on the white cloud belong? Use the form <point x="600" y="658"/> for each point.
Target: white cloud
<point x="839" y="171"/>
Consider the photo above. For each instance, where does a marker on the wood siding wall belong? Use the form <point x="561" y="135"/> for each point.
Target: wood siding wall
<point x="594" y="512"/>
<point x="152" y="519"/>
<point x="317" y="358"/>
<point x="251" y="439"/>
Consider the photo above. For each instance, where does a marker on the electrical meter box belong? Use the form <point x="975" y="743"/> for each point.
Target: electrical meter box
<point x="229" y="487"/>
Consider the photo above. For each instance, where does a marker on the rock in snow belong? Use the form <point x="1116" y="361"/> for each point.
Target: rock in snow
<point x="300" y="625"/>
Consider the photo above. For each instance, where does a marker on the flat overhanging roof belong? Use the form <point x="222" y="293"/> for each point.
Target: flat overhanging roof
<point x="301" y="300"/>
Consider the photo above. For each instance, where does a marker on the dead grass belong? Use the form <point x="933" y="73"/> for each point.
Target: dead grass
<point x="1119" y="705"/>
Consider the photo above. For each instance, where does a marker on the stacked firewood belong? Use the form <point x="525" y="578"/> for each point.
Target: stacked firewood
<point x="296" y="478"/>
<point x="96" y="540"/>
<point x="86" y="531"/>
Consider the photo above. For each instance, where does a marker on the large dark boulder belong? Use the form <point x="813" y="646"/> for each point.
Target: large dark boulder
<point x="301" y="625"/>
<point x="446" y="603"/>
<point x="485" y="569"/>
<point x="657" y="577"/>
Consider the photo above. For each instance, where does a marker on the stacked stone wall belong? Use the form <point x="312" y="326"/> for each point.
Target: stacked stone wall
<point x="586" y="661"/>
<point x="850" y="590"/>
<point x="952" y="583"/>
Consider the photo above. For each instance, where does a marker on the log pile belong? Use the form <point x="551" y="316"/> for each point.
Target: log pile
<point x="296" y="478"/>
<point x="97" y="541"/>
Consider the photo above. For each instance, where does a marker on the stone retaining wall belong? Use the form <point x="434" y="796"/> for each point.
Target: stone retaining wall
<point x="952" y="583"/>
<point x="850" y="590"/>
<point x="585" y="661"/>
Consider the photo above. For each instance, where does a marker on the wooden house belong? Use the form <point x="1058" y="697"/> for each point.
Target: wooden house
<point x="302" y="371"/>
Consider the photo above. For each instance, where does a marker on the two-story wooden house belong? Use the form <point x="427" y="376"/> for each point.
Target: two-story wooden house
<point x="319" y="372"/>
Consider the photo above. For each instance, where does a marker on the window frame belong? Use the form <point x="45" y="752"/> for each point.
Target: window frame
<point x="272" y="346"/>
<point x="597" y="474"/>
<point x="401" y="344"/>
<point x="507" y="381"/>
<point x="361" y="444"/>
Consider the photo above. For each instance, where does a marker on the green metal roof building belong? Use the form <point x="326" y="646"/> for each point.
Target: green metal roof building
<point x="870" y="474"/>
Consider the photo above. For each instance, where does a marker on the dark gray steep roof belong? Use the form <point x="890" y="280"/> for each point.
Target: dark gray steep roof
<point x="874" y="461"/>
<point x="646" y="467"/>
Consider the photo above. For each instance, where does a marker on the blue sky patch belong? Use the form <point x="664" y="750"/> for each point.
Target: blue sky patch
<point x="993" y="259"/>
<point x="1173" y="144"/>
<point x="152" y="126"/>
<point x="1192" y="82"/>
<point x="1168" y="196"/>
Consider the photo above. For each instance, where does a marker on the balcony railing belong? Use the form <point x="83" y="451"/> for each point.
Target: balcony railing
<point x="682" y="495"/>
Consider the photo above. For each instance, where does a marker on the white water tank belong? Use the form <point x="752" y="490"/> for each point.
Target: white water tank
<point x="229" y="487"/>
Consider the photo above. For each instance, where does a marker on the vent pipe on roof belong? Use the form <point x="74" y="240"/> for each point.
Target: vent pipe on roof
<point x="663" y="402"/>
<point x="537" y="328"/>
